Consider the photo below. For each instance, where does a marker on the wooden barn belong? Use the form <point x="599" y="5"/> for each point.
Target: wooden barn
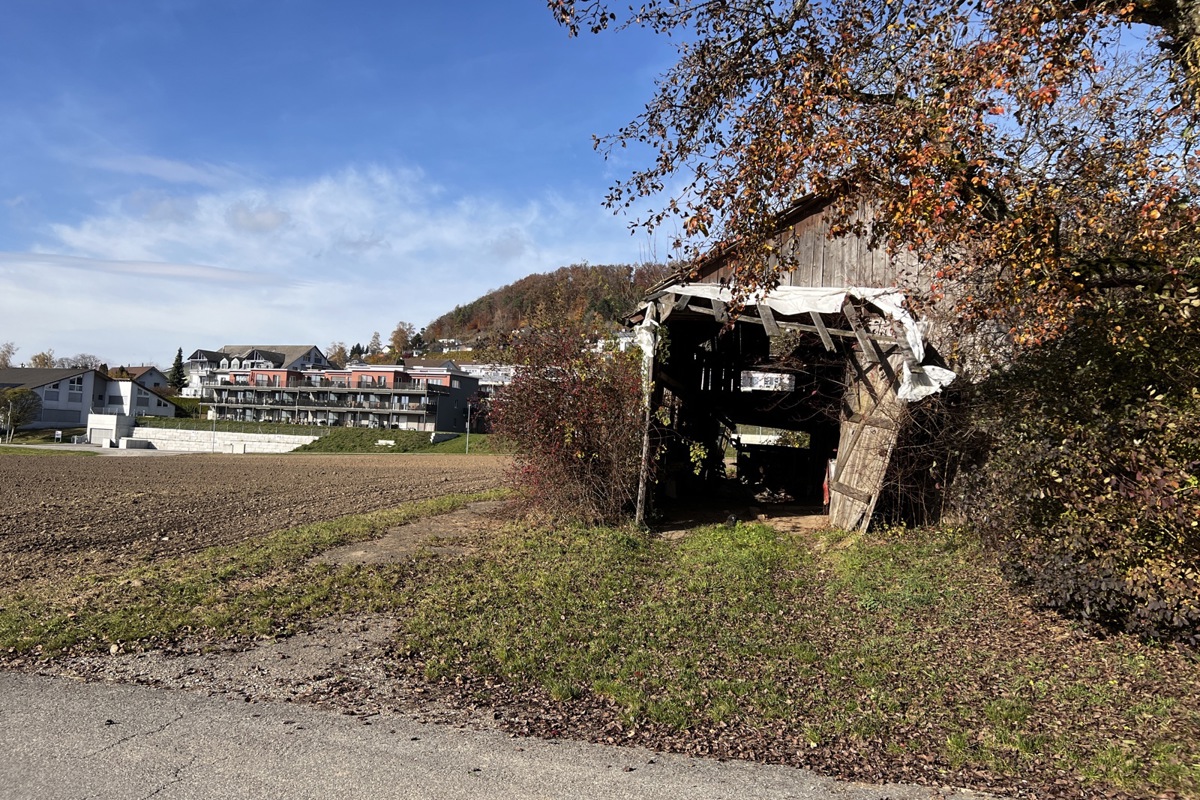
<point x="833" y="354"/>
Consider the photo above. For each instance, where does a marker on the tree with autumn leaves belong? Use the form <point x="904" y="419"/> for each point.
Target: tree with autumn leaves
<point x="1032" y="151"/>
<point x="1038" y="157"/>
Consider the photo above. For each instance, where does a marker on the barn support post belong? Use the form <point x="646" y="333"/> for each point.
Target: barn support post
<point x="647" y="338"/>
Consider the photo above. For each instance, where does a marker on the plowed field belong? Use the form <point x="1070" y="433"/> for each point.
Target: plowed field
<point x="58" y="515"/>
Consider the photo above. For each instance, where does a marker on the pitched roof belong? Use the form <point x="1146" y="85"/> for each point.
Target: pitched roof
<point x="430" y="363"/>
<point x="287" y="353"/>
<point x="137" y="372"/>
<point x="33" y="377"/>
<point x="213" y="356"/>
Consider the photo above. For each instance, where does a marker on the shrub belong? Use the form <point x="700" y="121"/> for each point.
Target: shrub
<point x="573" y="418"/>
<point x="1091" y="488"/>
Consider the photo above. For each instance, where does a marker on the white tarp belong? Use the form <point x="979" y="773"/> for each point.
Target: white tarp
<point x="796" y="300"/>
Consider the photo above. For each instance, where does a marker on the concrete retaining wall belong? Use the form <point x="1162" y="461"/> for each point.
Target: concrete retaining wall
<point x="220" y="442"/>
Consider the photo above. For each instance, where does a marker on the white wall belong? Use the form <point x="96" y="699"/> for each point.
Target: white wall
<point x="133" y="400"/>
<point x="63" y="408"/>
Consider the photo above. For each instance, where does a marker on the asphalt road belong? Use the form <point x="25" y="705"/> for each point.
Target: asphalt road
<point x="65" y="739"/>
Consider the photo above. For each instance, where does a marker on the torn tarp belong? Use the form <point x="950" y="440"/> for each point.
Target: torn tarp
<point x="917" y="380"/>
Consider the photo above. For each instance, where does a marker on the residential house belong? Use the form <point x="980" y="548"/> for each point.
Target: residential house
<point x="69" y="395"/>
<point x="492" y="377"/>
<point x="149" y="377"/>
<point x="130" y="398"/>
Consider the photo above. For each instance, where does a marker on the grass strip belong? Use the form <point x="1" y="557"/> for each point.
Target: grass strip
<point x="5" y="450"/>
<point x="898" y="646"/>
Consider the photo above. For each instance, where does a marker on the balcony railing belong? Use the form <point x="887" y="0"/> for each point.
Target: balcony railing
<point x="307" y="403"/>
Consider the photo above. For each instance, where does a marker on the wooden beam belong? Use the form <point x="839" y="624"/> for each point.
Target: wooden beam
<point x="822" y="331"/>
<point x="856" y="325"/>
<point x="795" y="326"/>
<point x="768" y="319"/>
<point x="857" y="494"/>
<point x="910" y="357"/>
<point x="719" y="310"/>
<point x="874" y="421"/>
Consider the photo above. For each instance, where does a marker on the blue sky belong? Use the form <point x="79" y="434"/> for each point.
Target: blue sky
<point x="191" y="173"/>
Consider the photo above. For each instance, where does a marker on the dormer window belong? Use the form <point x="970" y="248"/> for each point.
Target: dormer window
<point x="224" y="363"/>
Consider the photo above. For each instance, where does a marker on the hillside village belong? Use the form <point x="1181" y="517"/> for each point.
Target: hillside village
<point x="425" y="386"/>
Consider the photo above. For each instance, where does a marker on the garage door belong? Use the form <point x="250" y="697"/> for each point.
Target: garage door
<point x="98" y="435"/>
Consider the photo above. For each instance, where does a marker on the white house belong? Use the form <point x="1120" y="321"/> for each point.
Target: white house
<point x="130" y="398"/>
<point x="69" y="395"/>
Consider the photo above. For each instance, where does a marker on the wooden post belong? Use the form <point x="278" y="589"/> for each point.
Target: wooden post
<point x="649" y="342"/>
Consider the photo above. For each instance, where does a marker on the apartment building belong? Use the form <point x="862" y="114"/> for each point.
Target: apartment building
<point x="423" y="395"/>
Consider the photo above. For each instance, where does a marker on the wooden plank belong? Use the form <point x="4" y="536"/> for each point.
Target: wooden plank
<point x="822" y="331"/>
<point x="869" y="342"/>
<point x="850" y="491"/>
<point x="873" y="421"/>
<point x="791" y="326"/>
<point x="864" y="448"/>
<point x="768" y="320"/>
<point x="719" y="310"/>
<point x="864" y="340"/>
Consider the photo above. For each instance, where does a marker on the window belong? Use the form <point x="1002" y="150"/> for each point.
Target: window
<point x="75" y="390"/>
<point x="114" y="399"/>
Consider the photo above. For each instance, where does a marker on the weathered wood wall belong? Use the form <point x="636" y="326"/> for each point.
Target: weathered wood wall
<point x="842" y="261"/>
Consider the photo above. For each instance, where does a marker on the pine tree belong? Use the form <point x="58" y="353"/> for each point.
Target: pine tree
<point x="177" y="378"/>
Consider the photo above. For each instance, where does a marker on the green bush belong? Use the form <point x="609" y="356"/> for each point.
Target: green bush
<point x="1090" y="489"/>
<point x="188" y="406"/>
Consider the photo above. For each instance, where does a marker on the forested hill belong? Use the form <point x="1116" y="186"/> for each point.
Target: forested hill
<point x="596" y="295"/>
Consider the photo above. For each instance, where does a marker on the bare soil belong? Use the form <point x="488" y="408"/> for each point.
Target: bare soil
<point x="72" y="515"/>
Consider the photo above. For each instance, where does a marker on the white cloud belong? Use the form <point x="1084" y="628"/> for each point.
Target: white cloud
<point x="27" y="264"/>
<point x="241" y="216"/>
<point x="165" y="169"/>
<point x="336" y="257"/>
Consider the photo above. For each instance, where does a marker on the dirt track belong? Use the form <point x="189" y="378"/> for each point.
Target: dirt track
<point x="58" y="514"/>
